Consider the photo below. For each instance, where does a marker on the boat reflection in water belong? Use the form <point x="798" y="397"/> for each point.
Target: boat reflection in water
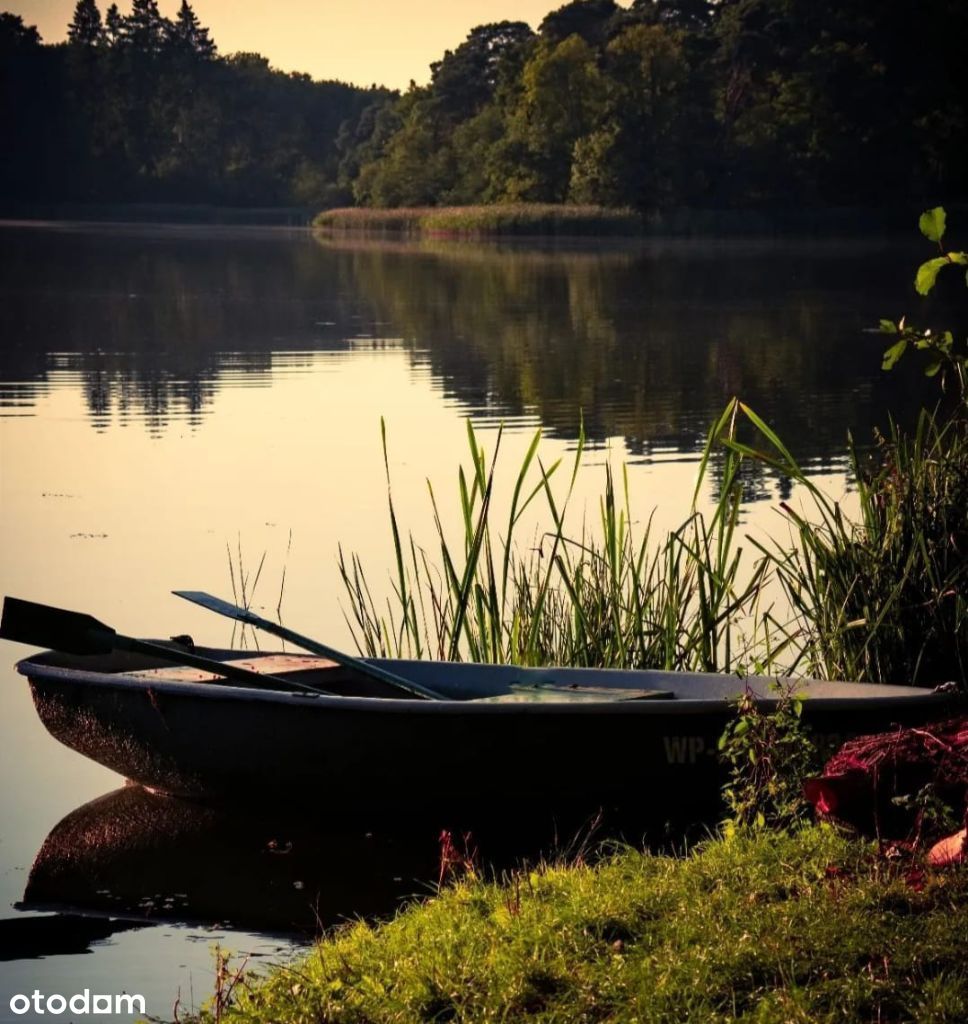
<point x="133" y="855"/>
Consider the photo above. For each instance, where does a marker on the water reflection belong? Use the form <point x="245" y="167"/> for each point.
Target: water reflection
<point x="132" y="855"/>
<point x="130" y="859"/>
<point x="151" y="323"/>
<point x="648" y="342"/>
<point x="645" y="341"/>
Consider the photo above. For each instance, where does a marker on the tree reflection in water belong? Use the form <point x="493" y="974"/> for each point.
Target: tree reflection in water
<point x="644" y="340"/>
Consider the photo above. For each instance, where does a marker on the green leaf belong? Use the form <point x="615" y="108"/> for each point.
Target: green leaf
<point x="932" y="223"/>
<point x="894" y="353"/>
<point x="932" y="369"/>
<point x="888" y="327"/>
<point x="961" y="258"/>
<point x="928" y="273"/>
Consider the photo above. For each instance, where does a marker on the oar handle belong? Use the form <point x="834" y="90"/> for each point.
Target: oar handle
<point x="41" y="625"/>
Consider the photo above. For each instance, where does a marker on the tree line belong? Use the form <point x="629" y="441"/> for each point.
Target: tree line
<point x="685" y="102"/>
<point x="142" y="108"/>
<point x="733" y="103"/>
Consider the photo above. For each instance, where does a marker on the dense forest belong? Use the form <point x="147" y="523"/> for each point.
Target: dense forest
<point x="664" y="103"/>
<point x="140" y="108"/>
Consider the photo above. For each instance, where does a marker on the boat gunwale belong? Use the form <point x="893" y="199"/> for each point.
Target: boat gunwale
<point x="38" y="672"/>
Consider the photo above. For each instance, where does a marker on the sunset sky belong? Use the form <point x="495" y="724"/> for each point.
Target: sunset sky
<point x="387" y="42"/>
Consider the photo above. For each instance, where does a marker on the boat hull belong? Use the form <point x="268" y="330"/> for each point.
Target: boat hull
<point x="333" y="755"/>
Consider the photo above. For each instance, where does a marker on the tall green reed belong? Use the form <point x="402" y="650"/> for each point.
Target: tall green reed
<point x="883" y="596"/>
<point x="880" y="596"/>
<point x="606" y="595"/>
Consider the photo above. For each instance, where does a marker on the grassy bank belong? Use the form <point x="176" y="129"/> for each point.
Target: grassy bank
<point x="512" y="219"/>
<point x="776" y="928"/>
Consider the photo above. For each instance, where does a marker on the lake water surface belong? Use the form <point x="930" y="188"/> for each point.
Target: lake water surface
<point x="173" y="397"/>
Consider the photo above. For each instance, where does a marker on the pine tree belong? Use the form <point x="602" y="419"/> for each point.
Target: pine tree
<point x="188" y="35"/>
<point x="86" y="28"/>
<point x="113" y="24"/>
<point x="145" y="29"/>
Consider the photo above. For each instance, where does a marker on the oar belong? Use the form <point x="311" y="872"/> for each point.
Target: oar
<point x="365" y="668"/>
<point x="76" y="633"/>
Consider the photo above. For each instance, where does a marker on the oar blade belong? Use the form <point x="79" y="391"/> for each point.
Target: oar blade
<point x="41" y="625"/>
<point x="364" y="668"/>
<point x="215" y="604"/>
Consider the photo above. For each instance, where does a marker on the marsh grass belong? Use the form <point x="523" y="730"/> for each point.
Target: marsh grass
<point x="499" y="219"/>
<point x="882" y="597"/>
<point x="244" y="582"/>
<point x="774" y="927"/>
<point x="604" y="596"/>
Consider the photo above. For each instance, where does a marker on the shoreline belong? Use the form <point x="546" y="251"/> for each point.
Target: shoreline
<point x="564" y="221"/>
<point x="526" y="220"/>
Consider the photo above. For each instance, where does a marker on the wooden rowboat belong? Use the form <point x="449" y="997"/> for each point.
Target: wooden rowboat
<point x="506" y="737"/>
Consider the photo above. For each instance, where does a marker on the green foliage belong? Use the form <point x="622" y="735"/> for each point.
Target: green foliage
<point x="886" y="598"/>
<point x="933" y="814"/>
<point x="770" y="928"/>
<point x="681" y="102"/>
<point x="940" y="346"/>
<point x="465" y="80"/>
<point x="883" y="599"/>
<point x="769" y="753"/>
<point x="932" y="225"/>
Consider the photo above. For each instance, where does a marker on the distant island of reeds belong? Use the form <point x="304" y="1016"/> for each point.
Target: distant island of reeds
<point x="480" y="220"/>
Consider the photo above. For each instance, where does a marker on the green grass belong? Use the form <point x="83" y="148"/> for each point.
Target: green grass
<point x="773" y="928"/>
<point x="507" y="219"/>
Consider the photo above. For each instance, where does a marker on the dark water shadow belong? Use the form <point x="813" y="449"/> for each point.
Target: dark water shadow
<point x="131" y="858"/>
<point x="28" y="938"/>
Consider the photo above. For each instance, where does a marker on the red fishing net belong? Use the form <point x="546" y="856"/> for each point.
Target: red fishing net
<point x="910" y="781"/>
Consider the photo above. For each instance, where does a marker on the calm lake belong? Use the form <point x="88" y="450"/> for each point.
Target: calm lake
<point x="173" y="400"/>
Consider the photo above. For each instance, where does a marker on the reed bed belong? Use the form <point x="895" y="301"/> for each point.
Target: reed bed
<point x="500" y="219"/>
<point x="881" y="598"/>
<point x="607" y="596"/>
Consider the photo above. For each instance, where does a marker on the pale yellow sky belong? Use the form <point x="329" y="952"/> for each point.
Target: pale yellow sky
<point x="387" y="42"/>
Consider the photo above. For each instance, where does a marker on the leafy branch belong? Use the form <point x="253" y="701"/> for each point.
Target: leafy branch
<point x="940" y="346"/>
